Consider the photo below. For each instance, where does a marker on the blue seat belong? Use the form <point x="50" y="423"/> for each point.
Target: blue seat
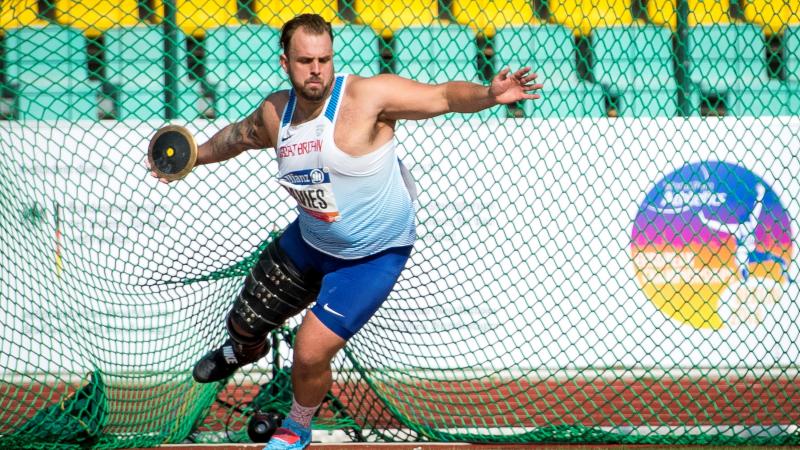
<point x="135" y="66"/>
<point x="634" y="64"/>
<point x="47" y="71"/>
<point x="242" y="74"/>
<point x="439" y="53"/>
<point x="729" y="61"/>
<point x="549" y="51"/>
<point x="356" y="49"/>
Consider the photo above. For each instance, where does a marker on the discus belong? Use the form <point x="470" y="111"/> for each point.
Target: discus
<point x="172" y="152"/>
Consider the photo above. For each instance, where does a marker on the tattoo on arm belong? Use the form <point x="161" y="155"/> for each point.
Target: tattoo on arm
<point x="234" y="136"/>
<point x="239" y="137"/>
<point x="255" y="125"/>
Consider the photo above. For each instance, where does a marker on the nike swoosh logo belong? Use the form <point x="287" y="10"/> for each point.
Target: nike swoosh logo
<point x="287" y="135"/>
<point x="328" y="308"/>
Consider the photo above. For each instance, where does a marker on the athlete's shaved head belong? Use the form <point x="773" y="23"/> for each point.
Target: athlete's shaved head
<point x="311" y="24"/>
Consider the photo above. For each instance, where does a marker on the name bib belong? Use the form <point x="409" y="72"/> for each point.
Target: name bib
<point x="313" y="191"/>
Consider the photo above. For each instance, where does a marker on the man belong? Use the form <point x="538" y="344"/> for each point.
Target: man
<point x="334" y="137"/>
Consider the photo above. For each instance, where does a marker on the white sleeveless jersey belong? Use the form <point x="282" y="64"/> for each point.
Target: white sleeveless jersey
<point x="349" y="207"/>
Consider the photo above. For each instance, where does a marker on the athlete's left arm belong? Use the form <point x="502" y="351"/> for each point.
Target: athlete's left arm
<point x="401" y="98"/>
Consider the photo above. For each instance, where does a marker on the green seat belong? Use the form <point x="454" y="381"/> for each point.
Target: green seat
<point x="729" y="61"/>
<point x="242" y="65"/>
<point x="634" y="65"/>
<point x="136" y="67"/>
<point x="791" y="45"/>
<point x="437" y="54"/>
<point x="726" y="56"/>
<point x="581" y="100"/>
<point x="47" y="72"/>
<point x="549" y="51"/>
<point x="356" y="50"/>
<point x="794" y="98"/>
<point x="772" y="99"/>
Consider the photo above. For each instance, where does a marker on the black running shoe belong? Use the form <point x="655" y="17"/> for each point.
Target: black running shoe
<point x="221" y="363"/>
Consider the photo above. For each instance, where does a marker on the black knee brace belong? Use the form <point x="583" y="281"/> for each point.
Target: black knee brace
<point x="274" y="291"/>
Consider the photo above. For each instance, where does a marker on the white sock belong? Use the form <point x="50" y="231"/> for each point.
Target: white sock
<point x="302" y="414"/>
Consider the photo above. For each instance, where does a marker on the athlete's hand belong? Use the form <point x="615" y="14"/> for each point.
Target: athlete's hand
<point x="153" y="173"/>
<point x="509" y="88"/>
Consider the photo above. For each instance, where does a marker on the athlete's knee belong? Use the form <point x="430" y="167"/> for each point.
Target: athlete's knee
<point x="273" y="291"/>
<point x="306" y="363"/>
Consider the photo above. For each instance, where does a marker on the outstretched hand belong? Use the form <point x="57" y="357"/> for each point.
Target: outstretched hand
<point x="512" y="88"/>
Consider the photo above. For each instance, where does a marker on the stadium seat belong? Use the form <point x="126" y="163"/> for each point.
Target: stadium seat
<point x="387" y="16"/>
<point x="634" y="64"/>
<point x="277" y="12"/>
<point x="436" y="54"/>
<point x="772" y="15"/>
<point x="96" y="16"/>
<point x="136" y="67"/>
<point x="583" y="15"/>
<point x="701" y="12"/>
<point x="724" y="56"/>
<point x="729" y="61"/>
<point x="794" y="12"/>
<point x="549" y="50"/>
<point x="791" y="45"/>
<point x="243" y="74"/>
<point x="772" y="99"/>
<point x="794" y="98"/>
<point x="19" y="13"/>
<point x="194" y="17"/>
<point x="356" y="49"/>
<point x="486" y="16"/>
<point x="47" y="72"/>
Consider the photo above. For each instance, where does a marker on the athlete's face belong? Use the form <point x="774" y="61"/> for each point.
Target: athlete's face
<point x="309" y="63"/>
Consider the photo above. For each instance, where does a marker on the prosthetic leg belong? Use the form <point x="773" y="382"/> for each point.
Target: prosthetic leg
<point x="274" y="291"/>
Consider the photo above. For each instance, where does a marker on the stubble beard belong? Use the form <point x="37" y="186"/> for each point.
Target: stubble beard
<point x="316" y="95"/>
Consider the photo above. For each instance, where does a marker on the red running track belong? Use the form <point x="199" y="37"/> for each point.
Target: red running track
<point x="473" y="404"/>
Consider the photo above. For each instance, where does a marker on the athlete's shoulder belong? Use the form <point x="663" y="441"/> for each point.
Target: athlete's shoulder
<point x="382" y="83"/>
<point x="272" y="107"/>
<point x="370" y="86"/>
<point x="276" y="101"/>
<point x="264" y="121"/>
<point x="373" y="80"/>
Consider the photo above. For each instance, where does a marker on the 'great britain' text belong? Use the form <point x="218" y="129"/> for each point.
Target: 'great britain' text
<point x="300" y="148"/>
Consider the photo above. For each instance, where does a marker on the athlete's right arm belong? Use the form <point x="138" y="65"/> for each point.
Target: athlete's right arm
<point x="258" y="130"/>
<point x="250" y="133"/>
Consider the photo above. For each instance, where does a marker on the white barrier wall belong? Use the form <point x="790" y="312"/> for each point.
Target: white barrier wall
<point x="524" y="258"/>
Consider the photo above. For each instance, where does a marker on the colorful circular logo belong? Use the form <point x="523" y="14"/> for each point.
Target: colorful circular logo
<point x="711" y="244"/>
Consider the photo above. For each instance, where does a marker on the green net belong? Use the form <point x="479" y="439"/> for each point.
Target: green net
<point x="611" y="263"/>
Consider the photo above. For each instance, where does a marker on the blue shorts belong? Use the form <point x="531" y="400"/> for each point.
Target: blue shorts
<point x="352" y="290"/>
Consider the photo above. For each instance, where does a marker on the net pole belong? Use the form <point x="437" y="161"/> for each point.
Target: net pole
<point x="682" y="58"/>
<point x="171" y="58"/>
